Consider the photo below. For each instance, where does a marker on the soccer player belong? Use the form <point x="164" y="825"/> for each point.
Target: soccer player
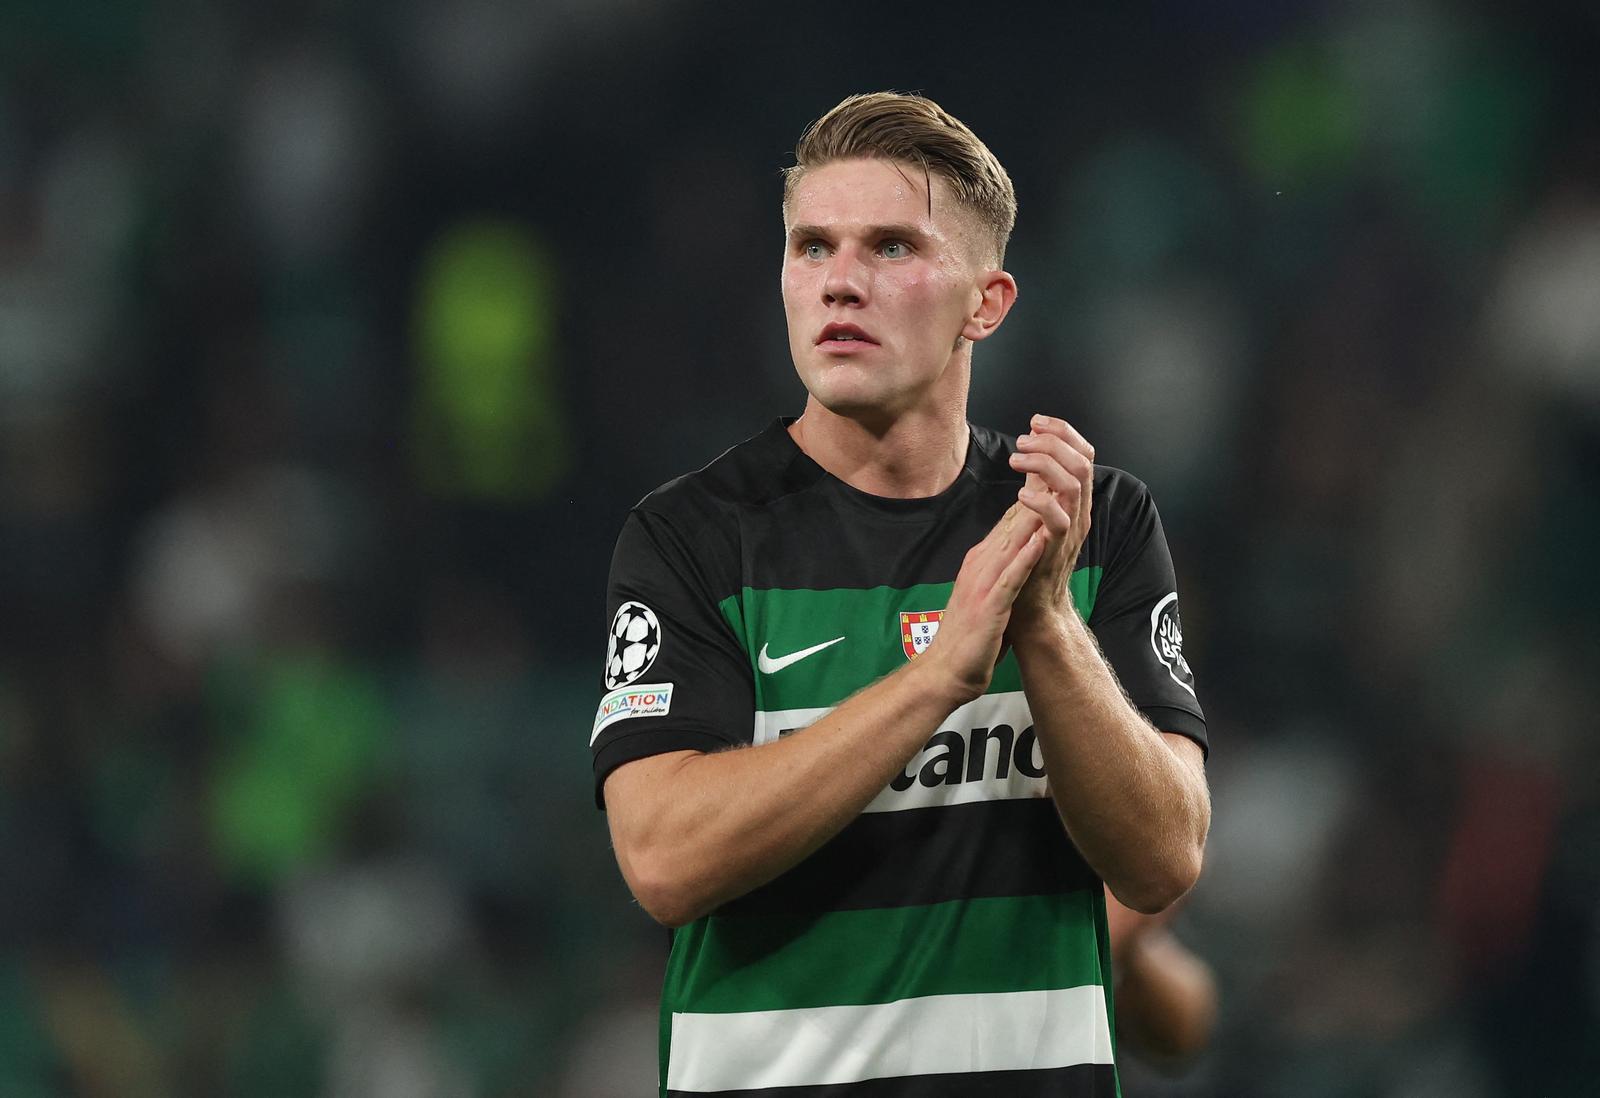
<point x="890" y="695"/>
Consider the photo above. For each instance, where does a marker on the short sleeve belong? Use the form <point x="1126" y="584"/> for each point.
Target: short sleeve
<point x="1136" y="621"/>
<point x="675" y="675"/>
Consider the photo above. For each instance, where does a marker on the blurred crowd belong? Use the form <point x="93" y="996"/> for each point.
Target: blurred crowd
<point x="336" y="338"/>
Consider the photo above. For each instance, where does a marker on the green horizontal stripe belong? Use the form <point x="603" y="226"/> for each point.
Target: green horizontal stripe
<point x="1013" y="943"/>
<point x="789" y="620"/>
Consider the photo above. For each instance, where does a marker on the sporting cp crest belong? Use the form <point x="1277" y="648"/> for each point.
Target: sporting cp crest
<point x="917" y="628"/>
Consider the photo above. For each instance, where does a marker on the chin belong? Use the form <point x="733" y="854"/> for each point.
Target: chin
<point x="852" y="396"/>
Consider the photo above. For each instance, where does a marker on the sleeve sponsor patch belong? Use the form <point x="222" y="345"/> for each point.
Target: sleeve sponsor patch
<point x="649" y="700"/>
<point x="1166" y="639"/>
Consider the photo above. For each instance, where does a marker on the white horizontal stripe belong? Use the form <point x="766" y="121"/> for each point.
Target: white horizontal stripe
<point x="770" y="725"/>
<point x="936" y="1034"/>
<point x="939" y="775"/>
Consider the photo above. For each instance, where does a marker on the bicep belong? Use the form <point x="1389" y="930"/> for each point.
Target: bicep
<point x="634" y="793"/>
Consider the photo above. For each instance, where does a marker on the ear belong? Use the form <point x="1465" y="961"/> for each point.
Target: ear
<point x="997" y="292"/>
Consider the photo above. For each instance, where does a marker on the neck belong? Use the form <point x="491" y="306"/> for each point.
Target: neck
<point x="915" y="454"/>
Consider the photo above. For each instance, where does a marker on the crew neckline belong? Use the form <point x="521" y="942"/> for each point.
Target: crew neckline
<point x="894" y="506"/>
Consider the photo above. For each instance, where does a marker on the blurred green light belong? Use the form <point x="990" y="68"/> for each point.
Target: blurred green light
<point x="309" y="751"/>
<point x="490" y="425"/>
<point x="1301" y="119"/>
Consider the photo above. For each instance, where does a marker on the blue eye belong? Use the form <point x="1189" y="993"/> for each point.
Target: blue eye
<point x="896" y="249"/>
<point x="814" y="250"/>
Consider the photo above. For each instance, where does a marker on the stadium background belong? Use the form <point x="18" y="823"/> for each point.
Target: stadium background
<point x="337" y="337"/>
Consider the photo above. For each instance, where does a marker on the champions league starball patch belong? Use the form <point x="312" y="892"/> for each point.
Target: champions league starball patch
<point x="1166" y="639"/>
<point x="635" y="640"/>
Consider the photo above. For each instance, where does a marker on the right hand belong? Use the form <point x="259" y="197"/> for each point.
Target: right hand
<point x="967" y="646"/>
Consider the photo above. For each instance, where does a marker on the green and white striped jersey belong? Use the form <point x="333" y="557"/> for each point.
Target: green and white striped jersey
<point x="950" y="941"/>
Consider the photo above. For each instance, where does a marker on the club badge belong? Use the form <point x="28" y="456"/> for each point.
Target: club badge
<point x="917" y="628"/>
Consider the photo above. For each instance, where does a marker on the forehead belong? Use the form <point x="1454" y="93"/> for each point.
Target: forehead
<point x="871" y="191"/>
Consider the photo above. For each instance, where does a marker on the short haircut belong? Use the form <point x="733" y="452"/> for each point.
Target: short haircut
<point x="914" y="130"/>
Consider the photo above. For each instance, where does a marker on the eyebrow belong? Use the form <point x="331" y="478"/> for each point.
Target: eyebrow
<point x="806" y="232"/>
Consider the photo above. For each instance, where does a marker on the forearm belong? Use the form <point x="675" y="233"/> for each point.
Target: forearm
<point x="1135" y="808"/>
<point x="1166" y="996"/>
<point x="712" y="827"/>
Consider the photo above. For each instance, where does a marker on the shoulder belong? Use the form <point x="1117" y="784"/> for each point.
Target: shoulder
<point x="1120" y="494"/>
<point x="991" y="454"/>
<point x="748" y="474"/>
<point x="693" y="522"/>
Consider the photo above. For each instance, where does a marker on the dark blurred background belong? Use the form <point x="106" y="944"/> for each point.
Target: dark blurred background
<point x="336" y="338"/>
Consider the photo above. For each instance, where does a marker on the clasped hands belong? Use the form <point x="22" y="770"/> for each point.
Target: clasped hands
<point x="1014" y="581"/>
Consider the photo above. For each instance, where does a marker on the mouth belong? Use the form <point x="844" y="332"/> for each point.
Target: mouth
<point x="844" y="338"/>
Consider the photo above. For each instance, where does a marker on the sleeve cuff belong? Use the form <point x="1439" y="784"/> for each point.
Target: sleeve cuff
<point x="657" y="741"/>
<point x="1169" y="718"/>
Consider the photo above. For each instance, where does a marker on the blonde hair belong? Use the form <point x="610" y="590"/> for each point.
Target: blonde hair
<point x="914" y="130"/>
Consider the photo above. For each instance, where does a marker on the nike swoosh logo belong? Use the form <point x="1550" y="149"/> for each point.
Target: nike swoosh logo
<point x="769" y="666"/>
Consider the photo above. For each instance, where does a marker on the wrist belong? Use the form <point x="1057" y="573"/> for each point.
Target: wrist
<point x="930" y="678"/>
<point x="1043" y="628"/>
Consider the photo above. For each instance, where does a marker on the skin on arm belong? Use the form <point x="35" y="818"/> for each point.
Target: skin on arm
<point x="1133" y="799"/>
<point x="1166" y="996"/>
<point x="693" y="830"/>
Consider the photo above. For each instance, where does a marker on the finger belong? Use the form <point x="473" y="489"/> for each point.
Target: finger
<point x="988" y="558"/>
<point x="1075" y="463"/>
<point x="1063" y="480"/>
<point x="1085" y="509"/>
<point x="1070" y="460"/>
<point x="1012" y="529"/>
<point x="1047" y="505"/>
<point x="1018" y="569"/>
<point x="1063" y="430"/>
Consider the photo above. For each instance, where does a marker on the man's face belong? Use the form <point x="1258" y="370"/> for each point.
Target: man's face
<point x="876" y="291"/>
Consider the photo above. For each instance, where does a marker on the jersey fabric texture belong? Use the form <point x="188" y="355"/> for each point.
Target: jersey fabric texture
<point x="950" y="940"/>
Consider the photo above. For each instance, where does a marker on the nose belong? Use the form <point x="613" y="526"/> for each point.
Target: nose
<point x="846" y="279"/>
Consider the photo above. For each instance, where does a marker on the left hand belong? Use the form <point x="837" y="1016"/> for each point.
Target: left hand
<point x="1059" y="463"/>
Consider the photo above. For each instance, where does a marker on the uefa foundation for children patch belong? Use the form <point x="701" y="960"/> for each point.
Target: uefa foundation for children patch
<point x="649" y="700"/>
